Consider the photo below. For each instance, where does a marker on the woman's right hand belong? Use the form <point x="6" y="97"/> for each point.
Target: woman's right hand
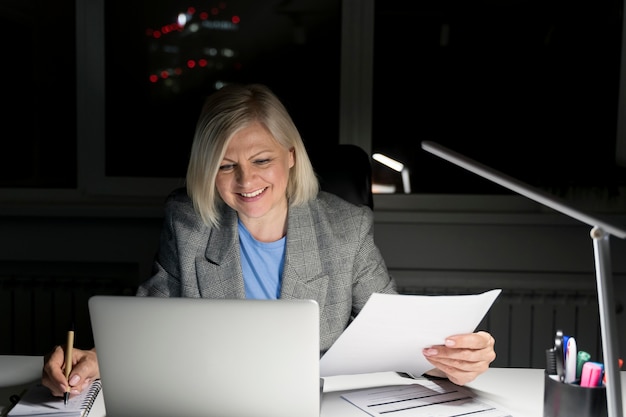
<point x="84" y="371"/>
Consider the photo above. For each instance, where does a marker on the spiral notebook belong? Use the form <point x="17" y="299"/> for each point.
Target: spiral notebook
<point x="38" y="401"/>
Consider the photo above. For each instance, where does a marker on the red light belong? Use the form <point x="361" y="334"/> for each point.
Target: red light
<point x="164" y="74"/>
<point x="202" y="62"/>
<point x="153" y="78"/>
<point x="156" y="34"/>
<point x="191" y="10"/>
<point x="172" y="27"/>
<point x="204" y="15"/>
<point x="191" y="63"/>
<point x="235" y="19"/>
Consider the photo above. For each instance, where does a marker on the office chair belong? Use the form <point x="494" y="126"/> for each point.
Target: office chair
<point x="346" y="170"/>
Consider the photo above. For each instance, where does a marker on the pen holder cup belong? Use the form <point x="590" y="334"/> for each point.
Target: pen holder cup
<point x="566" y="400"/>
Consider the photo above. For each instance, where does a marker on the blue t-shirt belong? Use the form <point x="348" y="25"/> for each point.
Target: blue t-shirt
<point x="262" y="265"/>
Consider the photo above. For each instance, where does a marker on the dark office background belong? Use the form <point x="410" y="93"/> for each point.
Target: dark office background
<point x="529" y="87"/>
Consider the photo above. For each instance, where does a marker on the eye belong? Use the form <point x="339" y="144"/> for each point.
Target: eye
<point x="262" y="161"/>
<point x="227" y="167"/>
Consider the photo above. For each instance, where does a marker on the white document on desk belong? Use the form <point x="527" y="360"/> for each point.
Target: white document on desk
<point x="424" y="398"/>
<point x="392" y="329"/>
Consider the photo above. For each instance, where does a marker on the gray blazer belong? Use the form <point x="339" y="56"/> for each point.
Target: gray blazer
<point x="330" y="257"/>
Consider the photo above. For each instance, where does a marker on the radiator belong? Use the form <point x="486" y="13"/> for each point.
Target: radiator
<point x="524" y="322"/>
<point x="39" y="302"/>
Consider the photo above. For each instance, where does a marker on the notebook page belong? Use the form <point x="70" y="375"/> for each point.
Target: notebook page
<point x="38" y="401"/>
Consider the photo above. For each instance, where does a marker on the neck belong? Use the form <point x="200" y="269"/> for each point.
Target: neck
<point x="270" y="228"/>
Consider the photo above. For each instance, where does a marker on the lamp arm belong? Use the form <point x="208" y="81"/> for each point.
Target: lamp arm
<point x="608" y="328"/>
<point x="600" y="234"/>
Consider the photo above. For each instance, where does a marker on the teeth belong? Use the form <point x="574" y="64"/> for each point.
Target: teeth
<point x="253" y="194"/>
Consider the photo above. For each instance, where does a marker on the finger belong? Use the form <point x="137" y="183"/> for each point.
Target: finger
<point x="478" y="340"/>
<point x="459" y="372"/>
<point x="52" y="373"/>
<point x="456" y="375"/>
<point x="459" y="355"/>
<point x="84" y="371"/>
<point x="446" y="363"/>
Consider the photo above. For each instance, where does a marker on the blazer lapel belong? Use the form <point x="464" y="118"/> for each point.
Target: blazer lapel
<point x="221" y="275"/>
<point x="303" y="274"/>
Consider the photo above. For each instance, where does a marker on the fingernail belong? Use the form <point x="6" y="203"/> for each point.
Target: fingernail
<point x="430" y="352"/>
<point x="450" y="342"/>
<point x="74" y="379"/>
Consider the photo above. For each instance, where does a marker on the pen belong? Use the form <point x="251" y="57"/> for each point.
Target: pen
<point x="68" y="362"/>
<point x="571" y="357"/>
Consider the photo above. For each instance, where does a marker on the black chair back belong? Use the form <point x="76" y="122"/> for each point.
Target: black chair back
<point x="346" y="171"/>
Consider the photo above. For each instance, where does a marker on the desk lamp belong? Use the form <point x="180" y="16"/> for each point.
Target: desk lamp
<point x="396" y="166"/>
<point x="600" y="233"/>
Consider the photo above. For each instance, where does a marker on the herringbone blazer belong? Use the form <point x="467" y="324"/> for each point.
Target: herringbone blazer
<point x="330" y="257"/>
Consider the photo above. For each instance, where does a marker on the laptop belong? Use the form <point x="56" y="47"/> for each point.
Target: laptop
<point x="188" y="357"/>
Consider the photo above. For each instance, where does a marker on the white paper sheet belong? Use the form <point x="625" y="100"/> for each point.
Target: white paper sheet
<point x="424" y="398"/>
<point x="392" y="329"/>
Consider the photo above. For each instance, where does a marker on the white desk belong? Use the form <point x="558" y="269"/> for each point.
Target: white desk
<point x="17" y="373"/>
<point x="520" y="391"/>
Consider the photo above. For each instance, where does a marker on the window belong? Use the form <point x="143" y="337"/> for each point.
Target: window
<point x="105" y="94"/>
<point x="531" y="91"/>
<point x="163" y="59"/>
<point x="38" y="92"/>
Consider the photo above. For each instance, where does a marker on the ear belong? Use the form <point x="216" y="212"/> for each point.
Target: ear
<point x="292" y="157"/>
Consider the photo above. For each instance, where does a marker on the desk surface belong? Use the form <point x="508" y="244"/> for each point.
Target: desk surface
<point x="519" y="391"/>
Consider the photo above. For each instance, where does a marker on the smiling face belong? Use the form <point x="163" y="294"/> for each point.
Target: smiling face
<point x="253" y="176"/>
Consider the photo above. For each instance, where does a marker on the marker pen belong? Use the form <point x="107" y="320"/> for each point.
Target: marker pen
<point x="583" y="357"/>
<point x="591" y="375"/>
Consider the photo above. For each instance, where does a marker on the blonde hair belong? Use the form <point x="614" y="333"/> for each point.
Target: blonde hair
<point x="225" y="112"/>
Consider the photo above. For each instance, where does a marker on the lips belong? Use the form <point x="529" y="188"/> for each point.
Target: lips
<point x="253" y="193"/>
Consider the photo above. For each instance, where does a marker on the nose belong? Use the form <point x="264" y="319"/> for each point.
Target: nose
<point x="245" y="173"/>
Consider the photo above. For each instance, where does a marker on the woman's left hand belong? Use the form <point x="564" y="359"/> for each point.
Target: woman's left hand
<point x="463" y="357"/>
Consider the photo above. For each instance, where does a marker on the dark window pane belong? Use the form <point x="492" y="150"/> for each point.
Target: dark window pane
<point x="39" y="95"/>
<point x="528" y="88"/>
<point x="158" y="72"/>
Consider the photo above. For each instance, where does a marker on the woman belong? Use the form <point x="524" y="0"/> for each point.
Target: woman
<point x="253" y="224"/>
